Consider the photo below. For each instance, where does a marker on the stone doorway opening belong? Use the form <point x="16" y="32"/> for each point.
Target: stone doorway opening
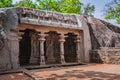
<point x="70" y="48"/>
<point x="52" y="48"/>
<point x="29" y="48"/>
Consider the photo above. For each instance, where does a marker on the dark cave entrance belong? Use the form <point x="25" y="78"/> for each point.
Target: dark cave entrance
<point x="70" y="48"/>
<point x="52" y="48"/>
<point x="29" y="48"/>
<point x="25" y="48"/>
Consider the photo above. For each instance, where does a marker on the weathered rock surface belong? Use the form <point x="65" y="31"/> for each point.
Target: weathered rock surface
<point x="103" y="34"/>
<point x="8" y="57"/>
<point x="107" y="36"/>
<point x="8" y="18"/>
<point x="106" y="55"/>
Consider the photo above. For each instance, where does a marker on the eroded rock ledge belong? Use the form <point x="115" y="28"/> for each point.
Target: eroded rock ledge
<point x="109" y="55"/>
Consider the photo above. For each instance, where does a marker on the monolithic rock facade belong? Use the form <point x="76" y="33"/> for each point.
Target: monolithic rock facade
<point x="36" y="37"/>
<point x="103" y="34"/>
<point x="105" y="40"/>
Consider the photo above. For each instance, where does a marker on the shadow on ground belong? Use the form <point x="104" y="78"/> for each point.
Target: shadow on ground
<point x="15" y="76"/>
<point x="86" y="75"/>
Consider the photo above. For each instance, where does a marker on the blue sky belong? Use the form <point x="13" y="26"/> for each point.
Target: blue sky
<point x="99" y="7"/>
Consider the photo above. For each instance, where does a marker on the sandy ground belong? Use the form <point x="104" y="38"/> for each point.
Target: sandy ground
<point x="15" y="76"/>
<point x="84" y="72"/>
<point x="89" y="72"/>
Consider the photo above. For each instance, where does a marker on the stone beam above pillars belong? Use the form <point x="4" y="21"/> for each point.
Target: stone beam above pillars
<point x="78" y="42"/>
<point x="62" y="40"/>
<point x="42" y="40"/>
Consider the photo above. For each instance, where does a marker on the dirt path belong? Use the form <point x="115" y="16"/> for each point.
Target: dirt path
<point x="89" y="72"/>
<point x="84" y="72"/>
<point x="15" y="76"/>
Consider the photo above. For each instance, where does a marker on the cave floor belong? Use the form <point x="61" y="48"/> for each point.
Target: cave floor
<point x="82" y="72"/>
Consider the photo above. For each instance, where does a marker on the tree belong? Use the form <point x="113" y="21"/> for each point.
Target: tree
<point x="51" y="5"/>
<point x="113" y="11"/>
<point x="64" y="6"/>
<point x="88" y="9"/>
<point x="25" y="3"/>
<point x="5" y="3"/>
<point x="70" y="6"/>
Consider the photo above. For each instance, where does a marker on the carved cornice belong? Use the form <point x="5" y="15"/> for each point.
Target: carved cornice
<point x="47" y="18"/>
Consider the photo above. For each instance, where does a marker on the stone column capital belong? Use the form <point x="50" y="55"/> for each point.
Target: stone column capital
<point x="42" y="37"/>
<point x="20" y="35"/>
<point x="78" y="39"/>
<point x="19" y="38"/>
<point x="62" y="38"/>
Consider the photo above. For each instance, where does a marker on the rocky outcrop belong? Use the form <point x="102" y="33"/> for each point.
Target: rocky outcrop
<point x="106" y="55"/>
<point x="8" y="37"/>
<point x="105" y="40"/>
<point x="103" y="34"/>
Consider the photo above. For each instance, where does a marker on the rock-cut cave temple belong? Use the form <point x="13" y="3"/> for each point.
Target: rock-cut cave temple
<point x="36" y="37"/>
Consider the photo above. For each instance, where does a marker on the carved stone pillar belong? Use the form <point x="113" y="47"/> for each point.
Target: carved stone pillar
<point x="34" y="50"/>
<point x="78" y="48"/>
<point x="13" y="38"/>
<point x="62" y="40"/>
<point x="42" y="40"/>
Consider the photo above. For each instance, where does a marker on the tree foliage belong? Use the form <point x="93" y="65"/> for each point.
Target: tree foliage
<point x="51" y="5"/>
<point x="64" y="6"/>
<point x="113" y="11"/>
<point x="70" y="6"/>
<point x="25" y="3"/>
<point x="88" y="9"/>
<point x="5" y="3"/>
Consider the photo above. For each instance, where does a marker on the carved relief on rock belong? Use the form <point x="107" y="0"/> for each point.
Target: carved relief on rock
<point x="48" y="17"/>
<point x="66" y="18"/>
